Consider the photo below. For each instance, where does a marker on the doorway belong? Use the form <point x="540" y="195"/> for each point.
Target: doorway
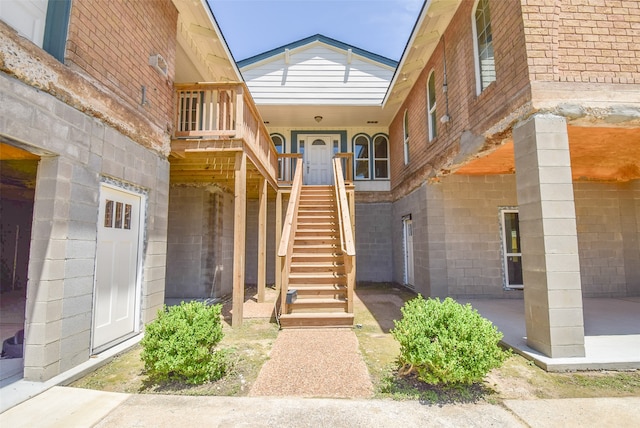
<point x="317" y="160"/>
<point x="117" y="279"/>
<point x="18" y="170"/>
<point x="407" y="232"/>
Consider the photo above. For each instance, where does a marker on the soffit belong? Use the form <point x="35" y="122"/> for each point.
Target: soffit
<point x="202" y="54"/>
<point x="431" y="25"/>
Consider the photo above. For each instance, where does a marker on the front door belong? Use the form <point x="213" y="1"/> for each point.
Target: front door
<point x="117" y="267"/>
<point x="407" y="228"/>
<point x="317" y="159"/>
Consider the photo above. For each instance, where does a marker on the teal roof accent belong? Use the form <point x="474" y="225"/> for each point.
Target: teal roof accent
<point x="324" y="39"/>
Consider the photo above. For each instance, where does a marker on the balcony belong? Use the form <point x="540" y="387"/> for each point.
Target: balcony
<point x="215" y="123"/>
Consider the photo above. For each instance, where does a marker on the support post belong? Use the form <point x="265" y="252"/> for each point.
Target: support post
<point x="550" y="260"/>
<point x="239" y="232"/>
<point x="278" y="238"/>
<point x="262" y="239"/>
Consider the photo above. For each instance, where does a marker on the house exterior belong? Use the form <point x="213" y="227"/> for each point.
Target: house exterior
<point x="498" y="158"/>
<point x="513" y="158"/>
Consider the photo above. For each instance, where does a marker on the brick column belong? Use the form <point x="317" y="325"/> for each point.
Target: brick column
<point x="551" y="266"/>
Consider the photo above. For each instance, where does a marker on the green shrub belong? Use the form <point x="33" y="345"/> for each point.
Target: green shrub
<point x="446" y="342"/>
<point x="179" y="344"/>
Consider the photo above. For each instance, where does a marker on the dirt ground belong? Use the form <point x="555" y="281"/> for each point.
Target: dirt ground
<point x="375" y="309"/>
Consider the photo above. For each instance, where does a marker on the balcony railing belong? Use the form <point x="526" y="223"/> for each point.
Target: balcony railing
<point x="223" y="111"/>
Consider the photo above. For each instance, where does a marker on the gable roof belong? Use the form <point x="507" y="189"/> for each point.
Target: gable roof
<point x="317" y="38"/>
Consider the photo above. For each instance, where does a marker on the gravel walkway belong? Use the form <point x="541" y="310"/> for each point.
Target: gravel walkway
<point x="314" y="363"/>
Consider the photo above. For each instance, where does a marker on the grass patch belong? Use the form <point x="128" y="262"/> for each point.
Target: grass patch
<point x="247" y="349"/>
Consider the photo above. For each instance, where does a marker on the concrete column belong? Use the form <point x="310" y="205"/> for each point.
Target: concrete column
<point x="262" y="239"/>
<point x="551" y="265"/>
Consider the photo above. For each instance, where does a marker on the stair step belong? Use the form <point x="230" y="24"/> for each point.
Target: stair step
<point x="318" y="319"/>
<point x="320" y="249"/>
<point x="316" y="257"/>
<point x="310" y="290"/>
<point x="318" y="304"/>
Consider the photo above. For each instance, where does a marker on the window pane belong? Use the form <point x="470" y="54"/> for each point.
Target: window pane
<point x="382" y="169"/>
<point x="278" y="142"/>
<point x="118" y="222"/>
<point x="362" y="169"/>
<point x="380" y="147"/>
<point x="512" y="232"/>
<point x="432" y="91"/>
<point x="108" y="214"/>
<point x="484" y="43"/>
<point x="361" y="148"/>
<point x="514" y="267"/>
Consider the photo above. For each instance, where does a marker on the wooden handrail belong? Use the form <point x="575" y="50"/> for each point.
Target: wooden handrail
<point x="288" y="229"/>
<point x="285" y="249"/>
<point x="349" y="163"/>
<point x="344" y="217"/>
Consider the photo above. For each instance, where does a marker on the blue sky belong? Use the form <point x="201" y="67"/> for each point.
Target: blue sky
<point x="251" y="27"/>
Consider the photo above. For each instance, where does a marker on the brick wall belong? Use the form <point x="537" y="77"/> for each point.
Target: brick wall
<point x="468" y="111"/>
<point x="583" y="40"/>
<point x="112" y="41"/>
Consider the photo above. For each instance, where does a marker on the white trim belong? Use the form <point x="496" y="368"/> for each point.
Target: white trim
<point x="405" y="135"/>
<point x="373" y="156"/>
<point x="431" y="109"/>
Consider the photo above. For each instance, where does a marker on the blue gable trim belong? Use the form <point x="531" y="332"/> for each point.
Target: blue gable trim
<point x="318" y="37"/>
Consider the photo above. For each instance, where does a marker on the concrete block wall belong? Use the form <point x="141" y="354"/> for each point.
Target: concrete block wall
<point x="608" y="238"/>
<point x="472" y="229"/>
<point x="80" y="151"/>
<point x="374" y="252"/>
<point x="186" y="242"/>
<point x="251" y="249"/>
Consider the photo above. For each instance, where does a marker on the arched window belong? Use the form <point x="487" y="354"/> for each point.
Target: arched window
<point x="380" y="157"/>
<point x="431" y="105"/>
<point x="405" y="128"/>
<point x="278" y="142"/>
<point x="483" y="46"/>
<point x="361" y="157"/>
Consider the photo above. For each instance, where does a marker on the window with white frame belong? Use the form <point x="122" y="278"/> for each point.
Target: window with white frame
<point x="405" y="130"/>
<point x="380" y="157"/>
<point x="431" y="105"/>
<point x="483" y="46"/>
<point x="278" y="142"/>
<point x="361" y="157"/>
<point x="511" y="250"/>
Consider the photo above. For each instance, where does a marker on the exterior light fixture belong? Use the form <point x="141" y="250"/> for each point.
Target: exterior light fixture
<point x="318" y="119"/>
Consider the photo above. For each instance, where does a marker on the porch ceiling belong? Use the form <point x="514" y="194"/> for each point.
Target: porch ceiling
<point x="599" y="154"/>
<point x="213" y="167"/>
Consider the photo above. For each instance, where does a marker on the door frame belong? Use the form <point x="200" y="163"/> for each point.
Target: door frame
<point x="503" y="249"/>
<point x="308" y="140"/>
<point x="408" y="221"/>
<point x="132" y="190"/>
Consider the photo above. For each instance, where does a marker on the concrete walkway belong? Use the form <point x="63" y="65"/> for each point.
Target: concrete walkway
<point x="611" y="326"/>
<point x="314" y="363"/>
<point x="72" y="407"/>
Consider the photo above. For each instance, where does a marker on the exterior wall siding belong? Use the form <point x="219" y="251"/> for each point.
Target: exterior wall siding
<point x="317" y="74"/>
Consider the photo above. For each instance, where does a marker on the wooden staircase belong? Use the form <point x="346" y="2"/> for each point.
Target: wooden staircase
<point x="317" y="270"/>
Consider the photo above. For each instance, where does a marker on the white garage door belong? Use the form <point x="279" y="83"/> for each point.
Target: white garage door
<point x="117" y="267"/>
